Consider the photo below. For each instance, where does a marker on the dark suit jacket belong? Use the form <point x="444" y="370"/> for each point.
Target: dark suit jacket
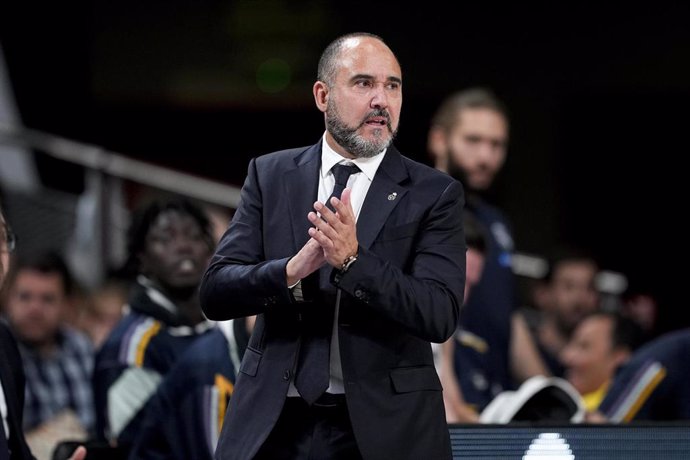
<point x="404" y="291"/>
<point x="12" y="377"/>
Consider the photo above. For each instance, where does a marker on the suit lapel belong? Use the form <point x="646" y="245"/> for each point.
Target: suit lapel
<point x="6" y="374"/>
<point x="383" y="196"/>
<point x="302" y="185"/>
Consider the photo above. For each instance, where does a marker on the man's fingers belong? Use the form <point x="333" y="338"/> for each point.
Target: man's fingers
<point x="344" y="207"/>
<point x="328" y="223"/>
<point x="346" y="197"/>
<point x="335" y="232"/>
<point x="313" y="245"/>
<point x="319" y="237"/>
<point x="322" y="225"/>
<point x="326" y="213"/>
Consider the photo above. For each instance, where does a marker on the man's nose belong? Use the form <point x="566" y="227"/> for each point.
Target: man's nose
<point x="485" y="150"/>
<point x="34" y="304"/>
<point x="184" y="244"/>
<point x="379" y="99"/>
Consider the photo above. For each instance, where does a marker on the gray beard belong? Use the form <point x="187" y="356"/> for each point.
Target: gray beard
<point x="355" y="144"/>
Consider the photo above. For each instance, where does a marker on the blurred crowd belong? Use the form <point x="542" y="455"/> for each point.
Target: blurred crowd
<point x="134" y="368"/>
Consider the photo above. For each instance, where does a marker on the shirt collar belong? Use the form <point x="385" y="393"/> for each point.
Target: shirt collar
<point x="330" y="157"/>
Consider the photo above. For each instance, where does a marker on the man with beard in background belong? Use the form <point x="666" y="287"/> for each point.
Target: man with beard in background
<point x="468" y="139"/>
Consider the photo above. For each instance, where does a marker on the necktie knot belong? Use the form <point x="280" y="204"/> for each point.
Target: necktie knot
<point x="342" y="173"/>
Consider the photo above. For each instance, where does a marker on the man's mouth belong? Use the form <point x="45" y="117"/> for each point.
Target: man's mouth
<point x="376" y="121"/>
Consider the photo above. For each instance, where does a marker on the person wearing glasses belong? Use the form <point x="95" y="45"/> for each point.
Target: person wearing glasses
<point x="12" y="442"/>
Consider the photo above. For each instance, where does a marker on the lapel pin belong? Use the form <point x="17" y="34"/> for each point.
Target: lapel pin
<point x="392" y="196"/>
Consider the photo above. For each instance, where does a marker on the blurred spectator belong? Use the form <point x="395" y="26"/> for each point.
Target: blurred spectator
<point x="457" y="410"/>
<point x="58" y="360"/>
<point x="653" y="385"/>
<point x="220" y="220"/>
<point x="468" y="139"/>
<point x="169" y="244"/>
<point x="566" y="295"/>
<point x="13" y="445"/>
<point x="186" y="414"/>
<point x="600" y="344"/>
<point x="102" y="310"/>
<point x="642" y="308"/>
<point x="75" y="303"/>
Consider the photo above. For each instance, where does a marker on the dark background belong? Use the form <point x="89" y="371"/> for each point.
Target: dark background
<point x="598" y="97"/>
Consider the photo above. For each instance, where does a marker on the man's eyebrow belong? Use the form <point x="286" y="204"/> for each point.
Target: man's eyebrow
<point x="361" y="76"/>
<point x="365" y="76"/>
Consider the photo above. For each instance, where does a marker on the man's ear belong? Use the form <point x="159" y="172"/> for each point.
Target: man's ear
<point x="438" y="146"/>
<point x="321" y="93"/>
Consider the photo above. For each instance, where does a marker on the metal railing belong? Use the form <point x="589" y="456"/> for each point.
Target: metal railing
<point x="117" y="165"/>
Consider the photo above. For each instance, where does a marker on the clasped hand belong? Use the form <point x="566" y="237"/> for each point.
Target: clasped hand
<point x="333" y="238"/>
<point x="336" y="232"/>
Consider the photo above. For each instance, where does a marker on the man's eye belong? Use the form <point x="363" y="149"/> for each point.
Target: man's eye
<point x="393" y="85"/>
<point x="363" y="83"/>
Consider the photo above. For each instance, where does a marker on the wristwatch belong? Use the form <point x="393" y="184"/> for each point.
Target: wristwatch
<point x="349" y="260"/>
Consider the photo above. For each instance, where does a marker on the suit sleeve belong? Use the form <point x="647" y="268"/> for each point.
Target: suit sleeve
<point x="239" y="282"/>
<point x="426" y="297"/>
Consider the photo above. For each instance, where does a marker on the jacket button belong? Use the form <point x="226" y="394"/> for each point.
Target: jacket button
<point x="286" y="375"/>
<point x="358" y="293"/>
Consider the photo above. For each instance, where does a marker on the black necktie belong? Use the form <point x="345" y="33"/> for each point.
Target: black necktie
<point x="4" y="447"/>
<point x="313" y="369"/>
<point x="342" y="174"/>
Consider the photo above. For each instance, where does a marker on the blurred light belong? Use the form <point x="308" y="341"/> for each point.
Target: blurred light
<point x="273" y="75"/>
<point x="609" y="282"/>
<point x="529" y="265"/>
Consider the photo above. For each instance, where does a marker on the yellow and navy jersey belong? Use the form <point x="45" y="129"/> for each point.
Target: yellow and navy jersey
<point x="139" y="352"/>
<point x="653" y="385"/>
<point x="185" y="415"/>
<point x="484" y="372"/>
